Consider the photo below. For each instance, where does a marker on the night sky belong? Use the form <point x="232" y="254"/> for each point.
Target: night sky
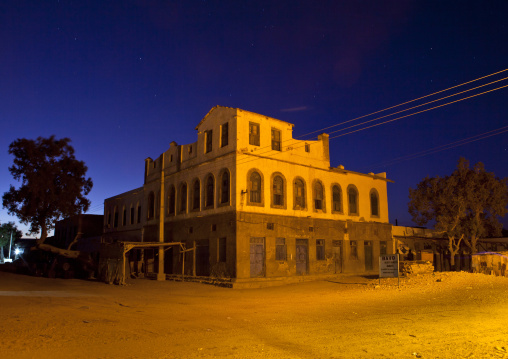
<point x="123" y="79"/>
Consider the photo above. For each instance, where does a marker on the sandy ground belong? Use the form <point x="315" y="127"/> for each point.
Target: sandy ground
<point x="442" y="315"/>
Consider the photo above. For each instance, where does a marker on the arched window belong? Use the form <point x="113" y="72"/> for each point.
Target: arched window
<point x="158" y="204"/>
<point x="196" y="195"/>
<point x="224" y="188"/>
<point x="183" y="198"/>
<point x="151" y="205"/>
<point x="336" y="199"/>
<point x="209" y="191"/>
<point x="299" y="189"/>
<point x="278" y="191"/>
<point x="318" y="196"/>
<point x="115" y="218"/>
<point x="374" y="203"/>
<point x="255" y="188"/>
<point x="352" y="194"/>
<point x="171" y="200"/>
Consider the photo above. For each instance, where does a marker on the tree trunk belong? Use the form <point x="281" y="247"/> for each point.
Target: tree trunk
<point x="60" y="251"/>
<point x="474" y="243"/>
<point x="453" y="247"/>
<point x="44" y="235"/>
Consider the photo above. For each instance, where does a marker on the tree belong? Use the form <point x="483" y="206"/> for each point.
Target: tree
<point x="465" y="205"/>
<point x="487" y="198"/>
<point x="6" y="230"/>
<point x="53" y="184"/>
<point x="438" y="199"/>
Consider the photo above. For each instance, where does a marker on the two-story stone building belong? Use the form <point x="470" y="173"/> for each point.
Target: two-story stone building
<point x="255" y="203"/>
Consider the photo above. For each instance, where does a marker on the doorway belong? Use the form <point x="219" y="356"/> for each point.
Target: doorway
<point x="369" y="263"/>
<point x="301" y="256"/>
<point x="337" y="255"/>
<point x="257" y="257"/>
<point x="202" y="258"/>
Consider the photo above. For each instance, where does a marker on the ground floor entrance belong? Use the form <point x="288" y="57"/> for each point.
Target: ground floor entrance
<point x="301" y="256"/>
<point x="257" y="257"/>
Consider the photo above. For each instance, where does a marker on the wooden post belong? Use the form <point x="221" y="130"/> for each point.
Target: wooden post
<point x="160" y="274"/>
<point x="183" y="264"/>
<point x="194" y="258"/>
<point x="122" y="281"/>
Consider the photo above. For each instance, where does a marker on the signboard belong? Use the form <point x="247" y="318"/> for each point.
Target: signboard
<point x="389" y="266"/>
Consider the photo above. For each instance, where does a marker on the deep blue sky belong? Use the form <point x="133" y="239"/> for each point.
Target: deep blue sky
<point x="123" y="79"/>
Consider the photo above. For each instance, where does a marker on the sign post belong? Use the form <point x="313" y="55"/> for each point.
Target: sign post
<point x="389" y="267"/>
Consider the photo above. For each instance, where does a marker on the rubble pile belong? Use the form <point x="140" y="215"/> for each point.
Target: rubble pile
<point x="407" y="268"/>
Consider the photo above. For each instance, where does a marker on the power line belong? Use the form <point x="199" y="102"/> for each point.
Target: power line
<point x="423" y="104"/>
<point x="298" y="143"/>
<point x="404" y="103"/>
<point x="412" y="114"/>
<point x="444" y="147"/>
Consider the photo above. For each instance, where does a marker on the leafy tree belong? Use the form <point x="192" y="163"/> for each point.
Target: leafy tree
<point x="53" y="184"/>
<point x="487" y="198"/>
<point x="465" y="205"/>
<point x="5" y="235"/>
<point x="437" y="199"/>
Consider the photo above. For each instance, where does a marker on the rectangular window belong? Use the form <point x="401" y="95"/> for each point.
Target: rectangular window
<point x="280" y="249"/>
<point x="139" y="214"/>
<point x="124" y="217"/>
<point x="116" y="220"/>
<point x="253" y="134"/>
<point x="320" y="249"/>
<point x="224" y="135"/>
<point x="354" y="250"/>
<point x="383" y="248"/>
<point x="275" y="139"/>
<point x="307" y="147"/>
<point x="132" y="215"/>
<point x="222" y="250"/>
<point x="208" y="139"/>
<point x="190" y="149"/>
<point x="109" y="219"/>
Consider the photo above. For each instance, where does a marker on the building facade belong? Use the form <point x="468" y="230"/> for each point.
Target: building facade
<point x="254" y="203"/>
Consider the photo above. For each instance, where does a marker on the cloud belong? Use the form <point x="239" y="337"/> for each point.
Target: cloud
<point x="295" y="109"/>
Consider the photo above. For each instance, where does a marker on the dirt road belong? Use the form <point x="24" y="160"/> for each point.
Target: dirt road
<point x="444" y="315"/>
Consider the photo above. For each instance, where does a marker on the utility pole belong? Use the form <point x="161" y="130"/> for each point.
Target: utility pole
<point x="10" y="245"/>
<point x="161" y="275"/>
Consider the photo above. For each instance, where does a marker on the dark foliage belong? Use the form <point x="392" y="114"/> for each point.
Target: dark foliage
<point x="465" y="205"/>
<point x="53" y="183"/>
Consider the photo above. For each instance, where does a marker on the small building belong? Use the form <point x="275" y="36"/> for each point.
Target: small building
<point x="254" y="204"/>
<point x="88" y="226"/>
<point x="429" y="245"/>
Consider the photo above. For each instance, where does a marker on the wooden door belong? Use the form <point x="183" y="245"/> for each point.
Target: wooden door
<point x="257" y="257"/>
<point x="301" y="257"/>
